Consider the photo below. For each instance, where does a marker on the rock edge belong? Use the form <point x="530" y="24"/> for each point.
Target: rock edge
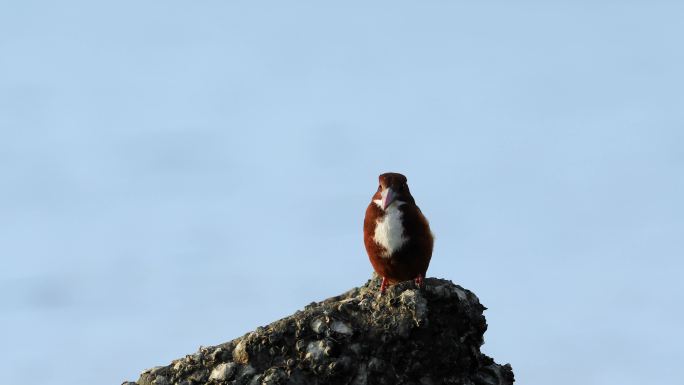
<point x="409" y="336"/>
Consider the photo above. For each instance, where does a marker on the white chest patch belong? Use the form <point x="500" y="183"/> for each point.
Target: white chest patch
<point x="389" y="232"/>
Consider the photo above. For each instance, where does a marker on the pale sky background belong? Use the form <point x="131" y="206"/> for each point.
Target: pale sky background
<point x="177" y="173"/>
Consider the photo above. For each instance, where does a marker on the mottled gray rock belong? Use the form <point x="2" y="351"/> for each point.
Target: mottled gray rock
<point x="223" y="372"/>
<point x="409" y="336"/>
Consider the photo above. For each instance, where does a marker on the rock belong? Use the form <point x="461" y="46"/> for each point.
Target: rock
<point x="223" y="372"/>
<point x="428" y="336"/>
<point x="247" y="371"/>
<point x="376" y="365"/>
<point x="318" y="326"/>
<point x="273" y="376"/>
<point x="316" y="350"/>
<point x="240" y="352"/>
<point x="341" y="328"/>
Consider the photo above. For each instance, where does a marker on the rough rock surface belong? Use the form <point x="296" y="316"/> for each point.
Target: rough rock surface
<point x="427" y="336"/>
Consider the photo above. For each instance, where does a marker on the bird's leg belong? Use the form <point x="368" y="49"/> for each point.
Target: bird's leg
<point x="419" y="281"/>
<point x="383" y="286"/>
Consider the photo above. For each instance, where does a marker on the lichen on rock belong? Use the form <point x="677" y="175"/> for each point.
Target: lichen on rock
<point x="409" y="336"/>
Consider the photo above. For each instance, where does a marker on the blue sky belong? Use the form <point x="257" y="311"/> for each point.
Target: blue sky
<point x="175" y="174"/>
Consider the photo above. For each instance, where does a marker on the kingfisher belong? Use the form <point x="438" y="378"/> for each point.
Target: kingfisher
<point x="396" y="234"/>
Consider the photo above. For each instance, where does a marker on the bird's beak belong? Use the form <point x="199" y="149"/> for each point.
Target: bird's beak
<point x="387" y="198"/>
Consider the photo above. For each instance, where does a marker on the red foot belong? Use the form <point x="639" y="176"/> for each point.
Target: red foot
<point x="419" y="281"/>
<point x="383" y="286"/>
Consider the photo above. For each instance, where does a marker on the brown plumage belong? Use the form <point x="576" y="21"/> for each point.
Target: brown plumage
<point x="396" y="233"/>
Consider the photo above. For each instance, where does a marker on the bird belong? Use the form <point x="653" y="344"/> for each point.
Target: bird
<point x="396" y="234"/>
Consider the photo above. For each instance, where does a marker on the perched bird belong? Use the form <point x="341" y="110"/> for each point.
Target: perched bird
<point x="396" y="233"/>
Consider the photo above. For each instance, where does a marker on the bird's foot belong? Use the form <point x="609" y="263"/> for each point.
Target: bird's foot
<point x="419" y="281"/>
<point x="383" y="286"/>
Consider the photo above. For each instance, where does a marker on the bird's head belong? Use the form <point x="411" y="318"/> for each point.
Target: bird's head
<point x="392" y="187"/>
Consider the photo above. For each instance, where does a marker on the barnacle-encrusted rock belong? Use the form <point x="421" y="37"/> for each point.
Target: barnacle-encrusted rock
<point x="409" y="336"/>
